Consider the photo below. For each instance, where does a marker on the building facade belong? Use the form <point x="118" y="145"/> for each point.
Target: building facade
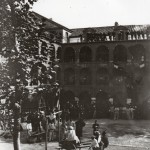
<point x="107" y="64"/>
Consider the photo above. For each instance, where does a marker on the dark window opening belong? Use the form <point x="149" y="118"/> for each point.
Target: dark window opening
<point x="85" y="76"/>
<point x="69" y="76"/>
<point x="102" y="54"/>
<point x="120" y="54"/>
<point x="85" y="54"/>
<point x="69" y="55"/>
<point x="137" y="53"/>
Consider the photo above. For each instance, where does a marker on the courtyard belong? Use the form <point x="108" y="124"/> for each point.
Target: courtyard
<point x="123" y="135"/>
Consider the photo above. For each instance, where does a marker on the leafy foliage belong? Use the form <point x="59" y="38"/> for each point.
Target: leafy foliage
<point x="27" y="53"/>
<point x="21" y="34"/>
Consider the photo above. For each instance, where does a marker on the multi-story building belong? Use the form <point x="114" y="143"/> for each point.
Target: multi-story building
<point x="102" y="64"/>
<point x="107" y="64"/>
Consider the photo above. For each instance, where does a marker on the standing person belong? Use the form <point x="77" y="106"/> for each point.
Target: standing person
<point x="132" y="112"/>
<point x="111" y="110"/>
<point x="37" y="122"/>
<point x="52" y="117"/>
<point x="63" y="129"/>
<point x="93" y="110"/>
<point x="43" y="120"/>
<point x="124" y="114"/>
<point x="116" y="113"/>
<point x="51" y="131"/>
<point x="79" y="126"/>
<point x="128" y="113"/>
<point x="95" y="127"/>
<point x="104" y="139"/>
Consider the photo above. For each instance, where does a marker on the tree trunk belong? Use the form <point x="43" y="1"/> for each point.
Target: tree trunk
<point x="16" y="140"/>
<point x="16" y="131"/>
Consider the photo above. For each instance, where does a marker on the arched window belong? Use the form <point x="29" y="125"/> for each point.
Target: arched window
<point x="102" y="76"/>
<point x="120" y="54"/>
<point x="85" y="54"/>
<point x="69" y="76"/>
<point x="85" y="76"/>
<point x="102" y="54"/>
<point x="69" y="55"/>
<point x="137" y="53"/>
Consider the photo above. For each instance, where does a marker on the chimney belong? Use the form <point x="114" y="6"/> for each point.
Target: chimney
<point x="116" y="24"/>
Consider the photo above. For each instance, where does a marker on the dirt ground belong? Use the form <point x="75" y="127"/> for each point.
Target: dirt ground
<point x="123" y="135"/>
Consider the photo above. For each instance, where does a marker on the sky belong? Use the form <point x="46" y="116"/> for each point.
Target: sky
<point x="95" y="13"/>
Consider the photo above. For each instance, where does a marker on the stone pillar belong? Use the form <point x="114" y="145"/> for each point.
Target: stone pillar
<point x="77" y="51"/>
<point x="77" y="75"/>
<point x="93" y="75"/>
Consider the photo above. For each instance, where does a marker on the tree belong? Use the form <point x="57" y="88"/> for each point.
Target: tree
<point x="20" y="36"/>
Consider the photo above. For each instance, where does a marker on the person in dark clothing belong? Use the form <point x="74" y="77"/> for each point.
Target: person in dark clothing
<point x="104" y="139"/>
<point x="95" y="127"/>
<point x="37" y="121"/>
<point x="31" y="119"/>
<point x="79" y="126"/>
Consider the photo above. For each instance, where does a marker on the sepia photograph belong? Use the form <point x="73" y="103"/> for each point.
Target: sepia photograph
<point x="74" y="75"/>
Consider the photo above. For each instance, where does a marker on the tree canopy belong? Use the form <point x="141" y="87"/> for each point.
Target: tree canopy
<point x="26" y="54"/>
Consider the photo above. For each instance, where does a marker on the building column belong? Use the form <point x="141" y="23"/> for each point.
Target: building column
<point x="77" y="51"/>
<point x="94" y="73"/>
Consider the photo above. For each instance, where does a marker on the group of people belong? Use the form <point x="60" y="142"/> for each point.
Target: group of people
<point x="38" y="122"/>
<point x="57" y="127"/>
<point x="99" y="140"/>
<point x="122" y="112"/>
<point x="65" y="129"/>
<point x="72" y="131"/>
<point x="75" y="110"/>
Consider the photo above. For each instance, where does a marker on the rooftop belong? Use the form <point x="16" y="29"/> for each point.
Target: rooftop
<point x="110" y="29"/>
